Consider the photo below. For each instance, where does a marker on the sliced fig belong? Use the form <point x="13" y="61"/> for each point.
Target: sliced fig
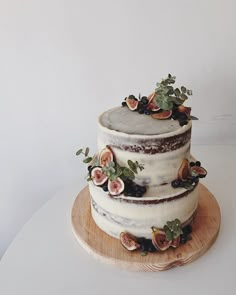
<point x="106" y="156"/>
<point x="160" y="240"/>
<point x="116" y="187"/>
<point x="128" y="241"/>
<point x="151" y="96"/>
<point x="132" y="104"/>
<point x="184" y="109"/>
<point x="184" y="170"/>
<point x="162" y="115"/>
<point x="97" y="175"/>
<point x="153" y="106"/>
<point x="176" y="242"/>
<point x="200" y="171"/>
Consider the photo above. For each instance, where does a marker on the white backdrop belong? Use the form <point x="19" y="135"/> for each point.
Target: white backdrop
<point x="63" y="62"/>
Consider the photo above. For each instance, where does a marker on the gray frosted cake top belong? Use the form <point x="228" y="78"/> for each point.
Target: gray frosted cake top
<point x="123" y="120"/>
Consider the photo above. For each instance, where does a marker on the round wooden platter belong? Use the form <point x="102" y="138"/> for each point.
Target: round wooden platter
<point x="109" y="250"/>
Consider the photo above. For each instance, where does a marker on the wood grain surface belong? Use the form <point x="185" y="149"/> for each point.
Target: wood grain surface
<point x="109" y="250"/>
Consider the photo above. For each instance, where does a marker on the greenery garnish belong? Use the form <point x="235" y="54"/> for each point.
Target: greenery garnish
<point x="166" y="95"/>
<point x="173" y="229"/>
<point x="114" y="170"/>
<point x="87" y="158"/>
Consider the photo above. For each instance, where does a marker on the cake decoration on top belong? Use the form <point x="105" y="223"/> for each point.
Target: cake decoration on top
<point x="166" y="102"/>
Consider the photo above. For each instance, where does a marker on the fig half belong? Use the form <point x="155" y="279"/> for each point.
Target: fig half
<point x="116" y="187"/>
<point x="97" y="176"/>
<point x="106" y="156"/>
<point x="132" y="104"/>
<point x="162" y="115"/>
<point x="176" y="242"/>
<point x="128" y="241"/>
<point x="200" y="171"/>
<point x="183" y="172"/>
<point x="159" y="239"/>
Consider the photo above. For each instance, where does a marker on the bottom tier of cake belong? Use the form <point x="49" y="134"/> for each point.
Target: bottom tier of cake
<point x="137" y="215"/>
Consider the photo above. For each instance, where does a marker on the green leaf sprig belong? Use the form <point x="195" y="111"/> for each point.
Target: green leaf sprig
<point x="167" y="96"/>
<point x="114" y="170"/>
<point x="87" y="158"/>
<point x="173" y="229"/>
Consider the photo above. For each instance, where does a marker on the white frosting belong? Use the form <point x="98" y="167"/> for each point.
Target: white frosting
<point x="121" y="119"/>
<point x="114" y="215"/>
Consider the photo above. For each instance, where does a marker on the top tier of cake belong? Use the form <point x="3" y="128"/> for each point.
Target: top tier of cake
<point x="160" y="145"/>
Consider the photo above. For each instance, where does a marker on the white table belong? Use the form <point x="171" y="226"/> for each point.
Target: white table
<point x="45" y="257"/>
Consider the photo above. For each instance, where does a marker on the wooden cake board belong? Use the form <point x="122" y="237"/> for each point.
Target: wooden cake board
<point x="109" y="250"/>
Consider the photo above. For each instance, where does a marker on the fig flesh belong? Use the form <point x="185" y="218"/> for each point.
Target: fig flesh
<point x="153" y="106"/>
<point x="132" y="104"/>
<point x="151" y="96"/>
<point x="97" y="176"/>
<point x="183" y="172"/>
<point x="184" y="109"/>
<point x="116" y="187"/>
<point x="128" y="241"/>
<point x="176" y="242"/>
<point x="200" y="171"/>
<point x="106" y="156"/>
<point x="160" y="240"/>
<point x="162" y="115"/>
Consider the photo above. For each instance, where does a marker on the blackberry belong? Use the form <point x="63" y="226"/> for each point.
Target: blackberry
<point x="175" y="183"/>
<point x="105" y="187"/>
<point x="182" y="123"/>
<point x="192" y="164"/>
<point x="182" y="116"/>
<point x="140" y="111"/>
<point x="147" y="112"/>
<point x="144" y="100"/>
<point x="198" y="163"/>
<point x="138" y="194"/>
<point x="187" y="230"/>
<point x="183" y="239"/>
<point x="124" y="104"/>
<point x="150" y="246"/>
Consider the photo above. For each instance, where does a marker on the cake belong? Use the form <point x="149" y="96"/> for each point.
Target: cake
<point x="143" y="181"/>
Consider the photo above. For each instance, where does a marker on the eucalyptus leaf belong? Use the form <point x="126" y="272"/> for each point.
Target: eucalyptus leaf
<point x="177" y="92"/>
<point x="87" y="160"/>
<point x="189" y="92"/>
<point x="183" y="89"/>
<point x="183" y="96"/>
<point x="193" y="118"/>
<point x="79" y="152"/>
<point x="169" y="235"/>
<point x="132" y="166"/>
<point x="86" y="151"/>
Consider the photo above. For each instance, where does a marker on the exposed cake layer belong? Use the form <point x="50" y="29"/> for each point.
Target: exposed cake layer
<point x="137" y="215"/>
<point x="160" y="145"/>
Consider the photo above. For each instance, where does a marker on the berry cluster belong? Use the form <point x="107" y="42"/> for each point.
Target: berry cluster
<point x="134" y="190"/>
<point x="146" y="245"/>
<point x="142" y="107"/>
<point x="182" y="117"/>
<point x="185" y="236"/>
<point x="191" y="180"/>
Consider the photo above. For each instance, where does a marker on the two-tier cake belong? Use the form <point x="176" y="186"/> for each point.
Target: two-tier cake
<point x="143" y="181"/>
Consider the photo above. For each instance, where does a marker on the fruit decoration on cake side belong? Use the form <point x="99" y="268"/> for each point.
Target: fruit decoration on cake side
<point x="105" y="172"/>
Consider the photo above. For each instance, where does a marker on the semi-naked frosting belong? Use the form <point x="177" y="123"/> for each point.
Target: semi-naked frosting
<point x="161" y="146"/>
